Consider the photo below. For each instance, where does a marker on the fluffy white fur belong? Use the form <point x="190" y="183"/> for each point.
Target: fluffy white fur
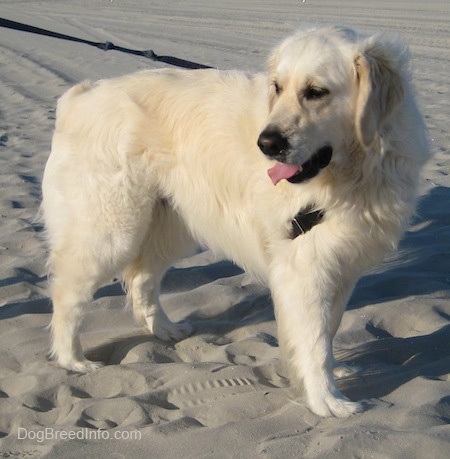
<point x="144" y="167"/>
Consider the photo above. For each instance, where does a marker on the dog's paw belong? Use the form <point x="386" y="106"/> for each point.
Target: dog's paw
<point x="166" y="330"/>
<point x="342" y="370"/>
<point x="81" y="366"/>
<point x="338" y="406"/>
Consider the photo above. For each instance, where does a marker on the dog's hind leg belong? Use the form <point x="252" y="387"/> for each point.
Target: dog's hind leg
<point x="72" y="285"/>
<point x="92" y="238"/>
<point x="167" y="241"/>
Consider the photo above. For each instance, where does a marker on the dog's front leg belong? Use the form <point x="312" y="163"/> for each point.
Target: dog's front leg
<point x="303" y="285"/>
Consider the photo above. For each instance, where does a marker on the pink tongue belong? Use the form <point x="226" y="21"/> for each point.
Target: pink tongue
<point x="283" y="171"/>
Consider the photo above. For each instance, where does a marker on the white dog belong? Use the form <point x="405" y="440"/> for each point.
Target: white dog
<point x="304" y="176"/>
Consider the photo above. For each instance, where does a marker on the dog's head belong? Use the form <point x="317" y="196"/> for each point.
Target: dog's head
<point x="329" y="88"/>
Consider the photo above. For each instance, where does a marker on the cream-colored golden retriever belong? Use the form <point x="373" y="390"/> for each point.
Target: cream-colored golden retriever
<point x="304" y="176"/>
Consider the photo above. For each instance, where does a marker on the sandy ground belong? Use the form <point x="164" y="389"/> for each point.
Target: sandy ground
<point x="222" y="392"/>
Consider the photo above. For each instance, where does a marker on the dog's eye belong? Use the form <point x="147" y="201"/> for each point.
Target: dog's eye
<point x="277" y="88"/>
<point x="315" y="93"/>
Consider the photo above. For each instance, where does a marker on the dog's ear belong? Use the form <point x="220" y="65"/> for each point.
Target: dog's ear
<point x="381" y="71"/>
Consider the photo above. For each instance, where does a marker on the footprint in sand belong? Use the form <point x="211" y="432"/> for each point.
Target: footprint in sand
<point x="112" y="381"/>
<point x="215" y="395"/>
<point x="112" y="413"/>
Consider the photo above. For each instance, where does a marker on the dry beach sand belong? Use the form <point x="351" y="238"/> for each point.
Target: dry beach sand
<point x="223" y="392"/>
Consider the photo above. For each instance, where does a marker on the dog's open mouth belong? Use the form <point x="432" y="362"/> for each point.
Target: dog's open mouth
<point x="297" y="174"/>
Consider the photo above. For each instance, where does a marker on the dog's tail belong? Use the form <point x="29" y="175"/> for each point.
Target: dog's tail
<point x="66" y="100"/>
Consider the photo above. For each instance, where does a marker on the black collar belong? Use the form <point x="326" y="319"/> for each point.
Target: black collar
<point x="305" y="220"/>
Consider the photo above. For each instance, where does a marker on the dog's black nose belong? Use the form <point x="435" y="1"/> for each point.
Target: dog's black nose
<point x="272" y="142"/>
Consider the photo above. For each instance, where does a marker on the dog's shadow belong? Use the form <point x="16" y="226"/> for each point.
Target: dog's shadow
<point x="390" y="362"/>
<point x="421" y="265"/>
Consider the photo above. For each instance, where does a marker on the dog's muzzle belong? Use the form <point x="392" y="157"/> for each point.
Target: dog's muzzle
<point x="273" y="144"/>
